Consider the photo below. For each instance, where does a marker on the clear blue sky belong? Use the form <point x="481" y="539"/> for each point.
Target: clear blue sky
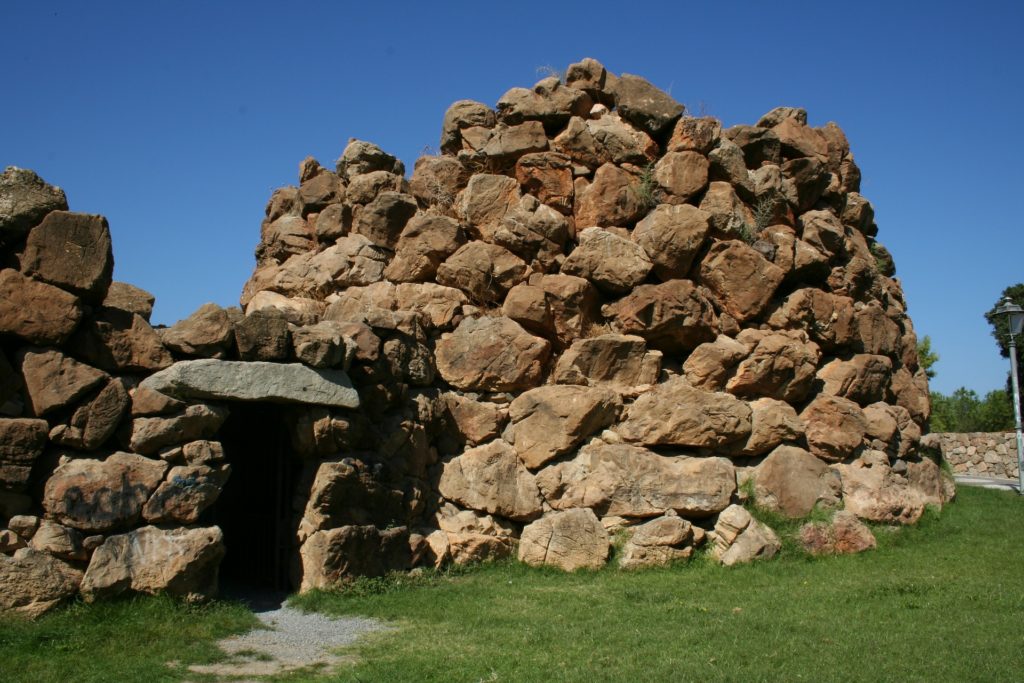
<point x="176" y="120"/>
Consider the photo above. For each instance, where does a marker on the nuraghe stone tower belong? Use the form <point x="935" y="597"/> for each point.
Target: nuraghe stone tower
<point x="590" y="313"/>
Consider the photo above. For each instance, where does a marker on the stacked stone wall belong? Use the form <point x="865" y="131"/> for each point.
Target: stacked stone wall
<point x="981" y="454"/>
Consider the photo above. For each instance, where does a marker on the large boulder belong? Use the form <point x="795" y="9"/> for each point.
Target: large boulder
<point x="346" y="492"/>
<point x="33" y="582"/>
<point x="552" y="420"/>
<point x="827" y="318"/>
<point x="711" y="364"/>
<point x="659" y="542"/>
<point x="739" y="538"/>
<point x="681" y="175"/>
<point x="549" y="102"/>
<point x="548" y="177"/>
<point x="187" y="491"/>
<point x="672" y="236"/>
<point x="696" y="134"/>
<point x="71" y="251"/>
<point x="772" y="422"/>
<point x="630" y="481"/>
<point x="864" y="378"/>
<point x="534" y="232"/>
<point x="200" y="421"/>
<point x="874" y="491"/>
<point x="485" y="201"/>
<point x="254" y="381"/>
<point x="352" y="261"/>
<point x="678" y="414"/>
<point x="22" y="441"/>
<point x="675" y="316"/>
<point x="179" y="562"/>
<point x="460" y="115"/>
<point x="471" y="537"/>
<point x="263" y="335"/>
<point x="437" y="180"/>
<point x="645" y="106"/>
<point x="792" y="481"/>
<point x="570" y="540"/>
<point x="362" y="157"/>
<point x="612" y="262"/>
<point x="334" y="555"/>
<point x="284" y="237"/>
<point x="491" y="478"/>
<point x="740" y="279"/>
<point x="491" y="354"/>
<point x="503" y="144"/>
<point x="58" y="540"/>
<point x="729" y="217"/>
<point x="779" y="365"/>
<point x="208" y="333"/>
<point x="54" y="381"/>
<point x="474" y="421"/>
<point x="425" y="242"/>
<point x="95" y="420"/>
<point x="614" y="198"/>
<point x="574" y="305"/>
<point x="618" y="361"/>
<point x="35" y="311"/>
<point x="25" y="199"/>
<point x="835" y="427"/>
<point x="102" y="495"/>
<point x="484" y="271"/>
<point x="844" y="535"/>
<point x="119" y="341"/>
<point x="321" y="345"/>
<point x="608" y="139"/>
<point x="382" y="220"/>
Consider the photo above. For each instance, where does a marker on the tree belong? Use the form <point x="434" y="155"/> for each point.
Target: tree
<point x="963" y="411"/>
<point x="1000" y="329"/>
<point x="927" y="358"/>
<point x="1001" y="332"/>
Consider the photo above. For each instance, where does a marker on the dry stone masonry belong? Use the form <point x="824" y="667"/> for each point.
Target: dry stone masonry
<point x="980" y="454"/>
<point x="591" y="317"/>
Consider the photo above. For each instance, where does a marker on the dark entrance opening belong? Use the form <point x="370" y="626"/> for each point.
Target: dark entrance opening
<point x="255" y="508"/>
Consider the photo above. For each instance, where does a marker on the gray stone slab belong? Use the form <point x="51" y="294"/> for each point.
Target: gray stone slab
<point x="254" y="381"/>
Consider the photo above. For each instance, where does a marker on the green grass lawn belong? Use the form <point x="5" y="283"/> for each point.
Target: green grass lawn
<point x="130" y="640"/>
<point x="940" y="602"/>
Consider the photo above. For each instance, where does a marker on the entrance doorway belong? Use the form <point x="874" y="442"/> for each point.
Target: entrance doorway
<point x="255" y="508"/>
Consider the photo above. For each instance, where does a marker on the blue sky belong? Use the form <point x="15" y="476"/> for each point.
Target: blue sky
<point x="176" y="120"/>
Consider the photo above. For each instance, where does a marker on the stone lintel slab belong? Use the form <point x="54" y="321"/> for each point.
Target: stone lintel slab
<point x="254" y="381"/>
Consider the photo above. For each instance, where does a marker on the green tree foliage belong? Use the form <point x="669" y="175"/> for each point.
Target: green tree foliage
<point x="963" y="411"/>
<point x="999" y="323"/>
<point x="1001" y="332"/>
<point x="926" y="357"/>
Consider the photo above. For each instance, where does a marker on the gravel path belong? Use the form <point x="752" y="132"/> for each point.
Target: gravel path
<point x="291" y="640"/>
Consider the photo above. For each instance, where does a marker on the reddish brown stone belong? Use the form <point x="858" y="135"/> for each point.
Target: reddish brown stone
<point x="673" y="316"/>
<point x="741" y="280"/>
<point x="21" y="442"/>
<point x="71" y="251"/>
<point x="35" y="311"/>
<point x="54" y="381"/>
<point x="491" y="354"/>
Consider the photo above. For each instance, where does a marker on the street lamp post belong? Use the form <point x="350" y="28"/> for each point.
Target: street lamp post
<point x="1015" y="321"/>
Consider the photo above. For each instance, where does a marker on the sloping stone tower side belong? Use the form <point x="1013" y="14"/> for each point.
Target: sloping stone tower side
<point x="589" y="312"/>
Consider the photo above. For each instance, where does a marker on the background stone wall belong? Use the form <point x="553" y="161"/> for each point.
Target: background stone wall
<point x="982" y="454"/>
